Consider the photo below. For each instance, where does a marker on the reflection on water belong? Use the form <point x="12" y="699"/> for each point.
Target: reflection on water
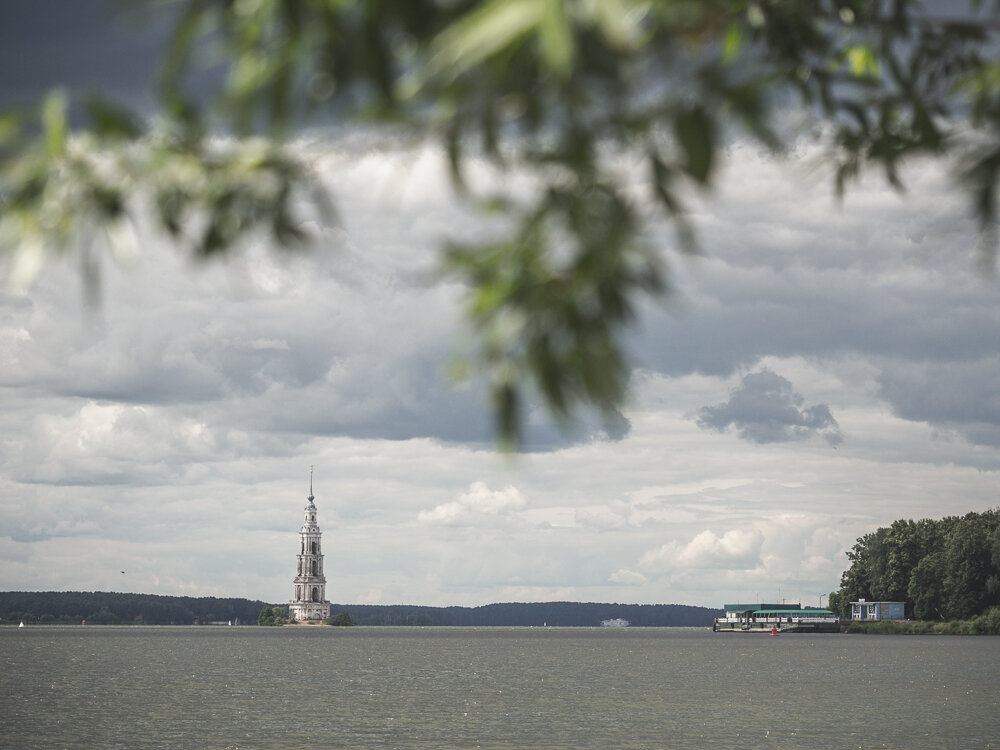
<point x="146" y="687"/>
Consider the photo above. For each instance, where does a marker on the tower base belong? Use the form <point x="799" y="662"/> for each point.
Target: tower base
<point x="303" y="611"/>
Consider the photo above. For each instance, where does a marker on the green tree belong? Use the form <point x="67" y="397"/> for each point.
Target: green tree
<point x="342" y="619"/>
<point x="967" y="567"/>
<point x="993" y="581"/>
<point x="855" y="582"/>
<point x="900" y="549"/>
<point x="926" y="587"/>
<point x="272" y="615"/>
<point x="837" y="604"/>
<point x="560" y="90"/>
<point x="103" y="616"/>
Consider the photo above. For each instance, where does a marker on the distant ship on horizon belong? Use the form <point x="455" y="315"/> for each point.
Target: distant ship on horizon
<point x="618" y="622"/>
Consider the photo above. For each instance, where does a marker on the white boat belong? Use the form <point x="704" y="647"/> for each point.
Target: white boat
<point x="22" y="624"/>
<point x="617" y="622"/>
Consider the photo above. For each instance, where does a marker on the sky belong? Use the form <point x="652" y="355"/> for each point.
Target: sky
<point x="821" y="369"/>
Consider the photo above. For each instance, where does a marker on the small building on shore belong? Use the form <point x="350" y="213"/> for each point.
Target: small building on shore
<point x="865" y="610"/>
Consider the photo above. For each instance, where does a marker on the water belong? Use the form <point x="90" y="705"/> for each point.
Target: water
<point x="146" y="687"/>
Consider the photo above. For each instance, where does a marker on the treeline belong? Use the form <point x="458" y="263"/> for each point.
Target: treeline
<point x="987" y="623"/>
<point x="111" y="608"/>
<point x="947" y="569"/>
<point x="102" y="608"/>
<point x="555" y="614"/>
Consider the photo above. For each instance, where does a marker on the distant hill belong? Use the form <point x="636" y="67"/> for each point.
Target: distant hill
<point x="580" y="614"/>
<point x="111" y="608"/>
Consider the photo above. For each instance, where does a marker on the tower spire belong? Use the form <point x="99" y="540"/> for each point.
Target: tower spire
<point x="311" y="498"/>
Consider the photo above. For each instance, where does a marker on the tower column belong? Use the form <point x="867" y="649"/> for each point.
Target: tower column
<point x="310" y="601"/>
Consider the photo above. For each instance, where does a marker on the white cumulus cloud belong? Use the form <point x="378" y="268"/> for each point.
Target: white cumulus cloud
<point x="627" y="577"/>
<point x="737" y="548"/>
<point x="478" y="501"/>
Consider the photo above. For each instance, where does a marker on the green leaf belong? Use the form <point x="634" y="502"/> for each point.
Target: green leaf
<point x="54" y="122"/>
<point x="732" y="43"/>
<point x="108" y="120"/>
<point x="620" y="21"/>
<point x="555" y="38"/>
<point x="694" y="133"/>
<point x="10" y="126"/>
<point x="485" y="31"/>
<point x="862" y="61"/>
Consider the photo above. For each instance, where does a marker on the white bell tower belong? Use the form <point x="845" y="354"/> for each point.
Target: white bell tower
<point x="310" y="585"/>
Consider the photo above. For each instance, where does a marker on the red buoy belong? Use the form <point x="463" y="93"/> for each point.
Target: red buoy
<point x="774" y="631"/>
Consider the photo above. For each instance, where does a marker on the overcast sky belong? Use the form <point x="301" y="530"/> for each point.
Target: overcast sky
<point x="822" y="370"/>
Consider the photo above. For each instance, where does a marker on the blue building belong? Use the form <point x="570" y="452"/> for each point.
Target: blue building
<point x="864" y="610"/>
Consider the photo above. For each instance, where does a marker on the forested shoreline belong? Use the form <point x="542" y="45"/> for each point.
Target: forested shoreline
<point x="112" y="608"/>
<point x="556" y="614"/>
<point x="946" y="569"/>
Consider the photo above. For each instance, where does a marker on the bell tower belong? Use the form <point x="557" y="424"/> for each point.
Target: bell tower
<point x="310" y="585"/>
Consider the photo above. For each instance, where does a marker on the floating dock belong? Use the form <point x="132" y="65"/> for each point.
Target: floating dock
<point x="785" y="618"/>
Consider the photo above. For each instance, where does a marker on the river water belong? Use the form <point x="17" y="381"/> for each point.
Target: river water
<point x="322" y="687"/>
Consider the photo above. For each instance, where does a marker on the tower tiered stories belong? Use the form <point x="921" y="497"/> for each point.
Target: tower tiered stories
<point x="310" y="584"/>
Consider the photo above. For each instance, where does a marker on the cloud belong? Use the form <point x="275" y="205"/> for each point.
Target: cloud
<point x="603" y="517"/>
<point x="765" y="409"/>
<point x="627" y="577"/>
<point x="538" y="594"/>
<point x="372" y="596"/>
<point x="735" y="549"/>
<point x="477" y="503"/>
<point x="963" y="396"/>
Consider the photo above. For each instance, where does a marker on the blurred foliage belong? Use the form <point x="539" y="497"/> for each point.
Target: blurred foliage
<point x="63" y="191"/>
<point x="564" y="91"/>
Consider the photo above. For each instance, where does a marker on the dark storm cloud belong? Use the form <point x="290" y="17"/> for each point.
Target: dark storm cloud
<point x="373" y="399"/>
<point x="885" y="284"/>
<point x="740" y="308"/>
<point x="82" y="45"/>
<point x="765" y="409"/>
<point x="962" y="396"/>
